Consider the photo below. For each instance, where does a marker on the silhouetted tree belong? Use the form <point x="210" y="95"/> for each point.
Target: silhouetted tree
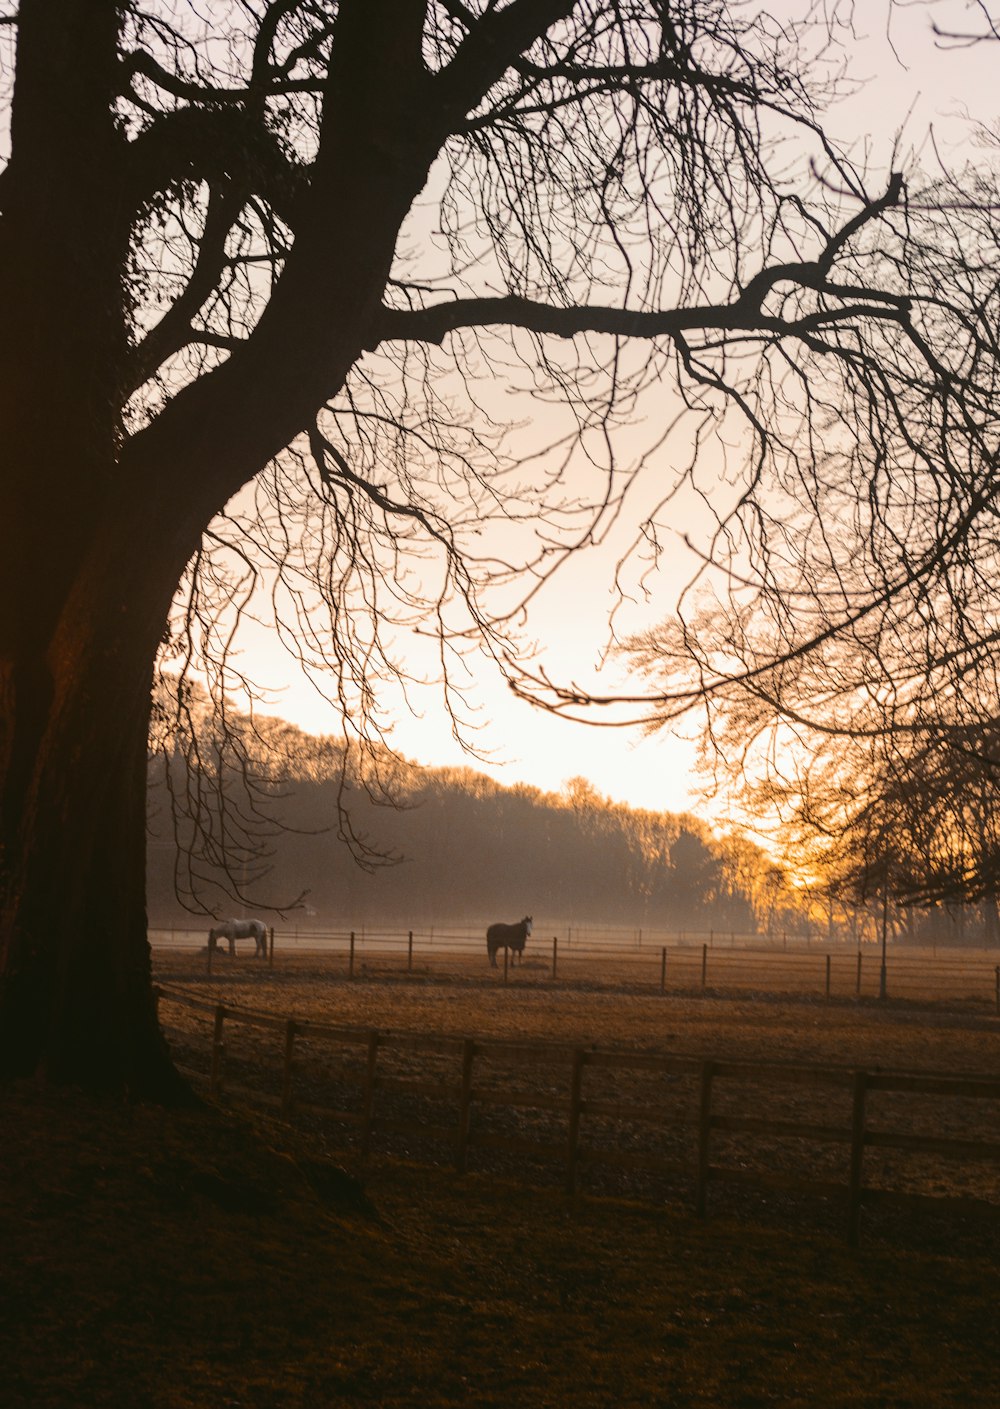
<point x="281" y="244"/>
<point x="845" y="650"/>
<point x="913" y="814"/>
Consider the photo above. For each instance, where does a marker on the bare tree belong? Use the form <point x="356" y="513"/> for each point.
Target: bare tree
<point x="297" y="246"/>
<point x="846" y="656"/>
<point x="913" y="815"/>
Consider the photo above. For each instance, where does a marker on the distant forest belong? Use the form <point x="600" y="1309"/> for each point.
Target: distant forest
<point x="452" y="846"/>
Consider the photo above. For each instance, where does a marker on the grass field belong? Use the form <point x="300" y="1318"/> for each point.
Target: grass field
<point x="222" y="1258"/>
<point x="676" y="963"/>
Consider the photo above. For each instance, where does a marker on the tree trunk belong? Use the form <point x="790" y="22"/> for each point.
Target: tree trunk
<point x="76" y="1001"/>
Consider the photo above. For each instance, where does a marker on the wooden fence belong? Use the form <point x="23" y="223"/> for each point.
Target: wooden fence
<point x="476" y="1078"/>
<point x="719" y="964"/>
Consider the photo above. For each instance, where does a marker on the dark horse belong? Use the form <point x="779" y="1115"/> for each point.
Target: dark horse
<point x="510" y="937"/>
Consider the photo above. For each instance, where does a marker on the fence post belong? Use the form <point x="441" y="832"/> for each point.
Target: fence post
<point x="857" y="1156"/>
<point x="465" y="1104"/>
<point x="286" y="1080"/>
<point x="998" y="989"/>
<point x="218" y="1051"/>
<point x="663" y="969"/>
<point x="369" y="1093"/>
<point x="857" y="987"/>
<point x="505" y="952"/>
<point x="704" y="1136"/>
<point x="409" y="953"/>
<point x="828" y="978"/>
<point x="555" y="954"/>
<point x="350" y="962"/>
<point x="704" y="966"/>
<point x="270" y="951"/>
<point x="211" y="949"/>
<point x="575" y="1088"/>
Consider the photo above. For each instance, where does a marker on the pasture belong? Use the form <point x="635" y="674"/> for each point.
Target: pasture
<point x="601" y="1000"/>
<point x="222" y="1257"/>
<point x="605" y="1087"/>
<point x="655" y="961"/>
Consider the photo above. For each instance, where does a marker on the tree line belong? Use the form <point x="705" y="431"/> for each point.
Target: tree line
<point x="444" y="845"/>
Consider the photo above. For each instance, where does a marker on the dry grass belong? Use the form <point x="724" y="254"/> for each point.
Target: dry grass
<point x="216" y="1259"/>
<point x="467" y="998"/>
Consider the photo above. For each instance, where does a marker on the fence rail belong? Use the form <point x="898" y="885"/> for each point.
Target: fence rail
<point x="828" y="970"/>
<point x="456" y="1101"/>
<point x="577" y="935"/>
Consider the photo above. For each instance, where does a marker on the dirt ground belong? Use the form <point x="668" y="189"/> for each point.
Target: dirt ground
<point x="221" y="1258"/>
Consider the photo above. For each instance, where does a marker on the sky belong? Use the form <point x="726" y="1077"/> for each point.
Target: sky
<point x="914" y="86"/>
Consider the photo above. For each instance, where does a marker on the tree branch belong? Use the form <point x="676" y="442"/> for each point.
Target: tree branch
<point x="434" y="324"/>
<point x="174" y="330"/>
<point x="744" y="314"/>
<point x="217" y="145"/>
<point x="267" y="84"/>
<point x="491" y="46"/>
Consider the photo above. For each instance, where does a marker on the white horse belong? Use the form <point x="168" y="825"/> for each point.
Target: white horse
<point x="232" y="930"/>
